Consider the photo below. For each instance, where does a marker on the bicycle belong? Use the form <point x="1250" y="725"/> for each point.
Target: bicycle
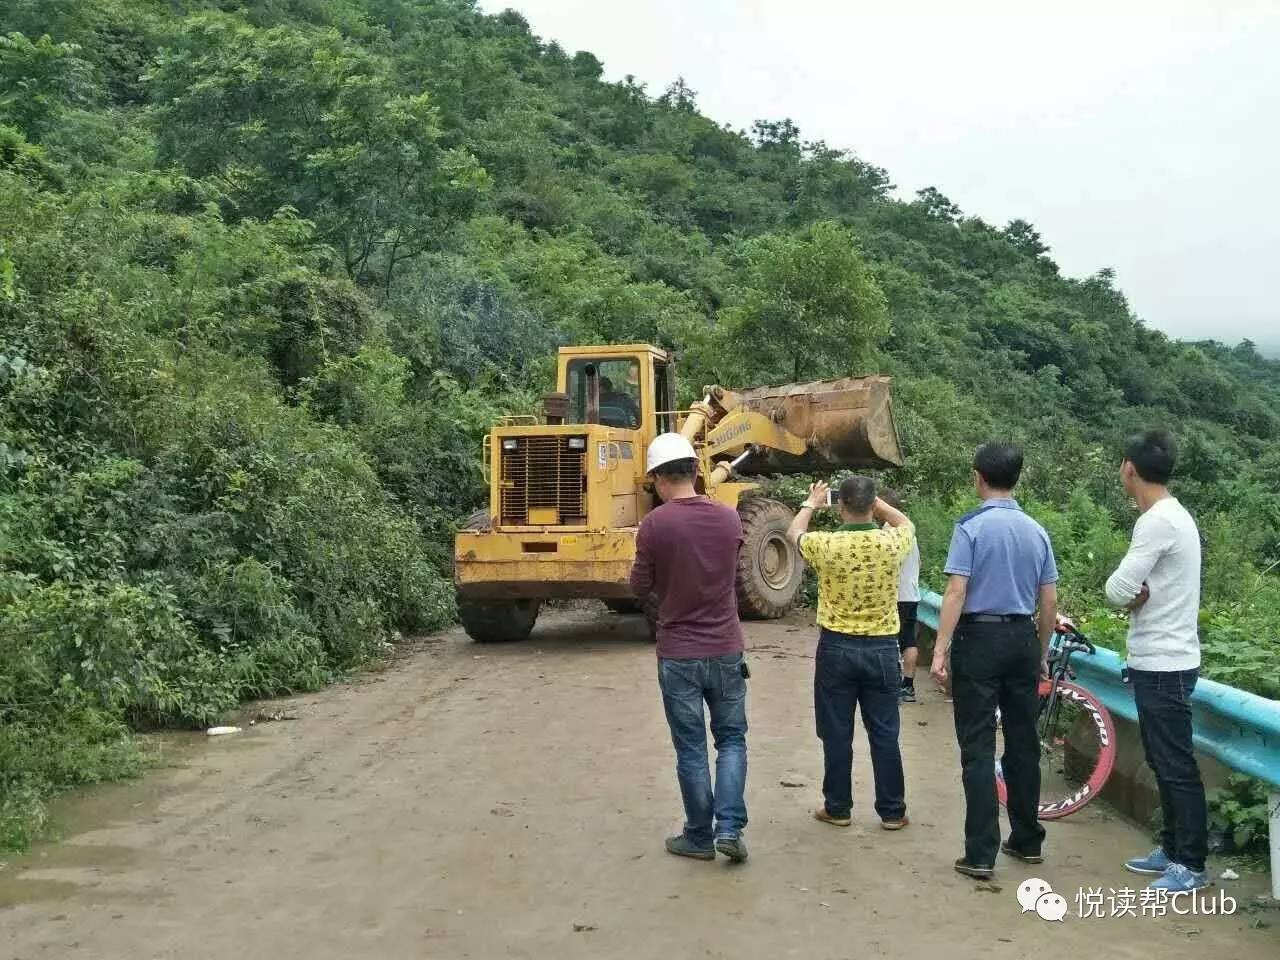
<point x="1077" y="735"/>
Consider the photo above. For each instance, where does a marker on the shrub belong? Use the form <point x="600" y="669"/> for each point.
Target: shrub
<point x="125" y="647"/>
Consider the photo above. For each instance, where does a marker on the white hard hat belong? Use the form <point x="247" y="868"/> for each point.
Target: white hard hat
<point x="666" y="448"/>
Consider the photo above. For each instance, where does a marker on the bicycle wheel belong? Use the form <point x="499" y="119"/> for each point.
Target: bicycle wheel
<point x="1077" y="751"/>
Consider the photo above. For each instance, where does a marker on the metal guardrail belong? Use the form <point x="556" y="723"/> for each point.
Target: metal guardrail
<point x="1239" y="729"/>
<point x="930" y="607"/>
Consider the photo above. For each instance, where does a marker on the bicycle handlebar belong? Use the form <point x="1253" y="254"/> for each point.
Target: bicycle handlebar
<point x="1083" y="646"/>
<point x="1073" y="638"/>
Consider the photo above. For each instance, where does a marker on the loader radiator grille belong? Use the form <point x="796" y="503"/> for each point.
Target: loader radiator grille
<point x="544" y="474"/>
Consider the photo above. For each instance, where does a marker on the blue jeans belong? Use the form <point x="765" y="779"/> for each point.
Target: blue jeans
<point x="852" y="672"/>
<point x="1163" y="699"/>
<point x="685" y="685"/>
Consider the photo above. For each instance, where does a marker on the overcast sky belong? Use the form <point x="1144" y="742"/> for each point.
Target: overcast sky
<point x="1144" y="136"/>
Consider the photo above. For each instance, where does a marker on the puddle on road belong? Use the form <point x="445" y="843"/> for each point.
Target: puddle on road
<point x="26" y="878"/>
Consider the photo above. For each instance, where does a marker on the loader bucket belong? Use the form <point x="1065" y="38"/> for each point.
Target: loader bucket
<point x="846" y="424"/>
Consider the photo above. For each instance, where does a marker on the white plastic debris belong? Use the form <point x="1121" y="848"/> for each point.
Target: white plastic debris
<point x="1230" y="875"/>
<point x="221" y="731"/>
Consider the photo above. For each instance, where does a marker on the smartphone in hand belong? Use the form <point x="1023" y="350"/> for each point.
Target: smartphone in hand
<point x="833" y="497"/>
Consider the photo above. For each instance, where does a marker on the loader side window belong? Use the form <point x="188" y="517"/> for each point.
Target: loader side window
<point x="619" y="382"/>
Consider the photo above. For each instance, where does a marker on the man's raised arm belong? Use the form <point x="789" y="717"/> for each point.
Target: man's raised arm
<point x="890" y="515"/>
<point x="817" y="498"/>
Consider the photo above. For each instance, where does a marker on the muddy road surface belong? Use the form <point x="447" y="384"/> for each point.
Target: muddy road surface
<point x="492" y="802"/>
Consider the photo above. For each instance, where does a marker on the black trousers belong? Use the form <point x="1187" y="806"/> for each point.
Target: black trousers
<point x="1164" y="720"/>
<point x="997" y="665"/>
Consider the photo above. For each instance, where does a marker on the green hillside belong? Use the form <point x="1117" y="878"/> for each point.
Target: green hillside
<point x="267" y="270"/>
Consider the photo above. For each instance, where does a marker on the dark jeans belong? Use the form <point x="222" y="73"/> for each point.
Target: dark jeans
<point x="1163" y="699"/>
<point x="851" y="672"/>
<point x="686" y="685"/>
<point x="997" y="665"/>
<point x="908" y="614"/>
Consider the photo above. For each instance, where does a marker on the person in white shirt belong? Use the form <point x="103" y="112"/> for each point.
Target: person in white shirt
<point x="1158" y="582"/>
<point x="908" y="607"/>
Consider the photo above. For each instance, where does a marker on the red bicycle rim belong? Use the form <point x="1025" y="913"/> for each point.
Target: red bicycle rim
<point x="1057" y="807"/>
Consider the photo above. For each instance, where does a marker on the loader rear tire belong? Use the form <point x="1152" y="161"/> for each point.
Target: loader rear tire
<point x="769" y="569"/>
<point x="498" y="621"/>
<point x="623" y="606"/>
<point x="495" y="621"/>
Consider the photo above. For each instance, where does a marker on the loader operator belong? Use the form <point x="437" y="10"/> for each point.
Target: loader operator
<point x="617" y="405"/>
<point x="686" y="560"/>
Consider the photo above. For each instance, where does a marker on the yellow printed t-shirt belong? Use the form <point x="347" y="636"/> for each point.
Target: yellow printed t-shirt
<point x="857" y="568"/>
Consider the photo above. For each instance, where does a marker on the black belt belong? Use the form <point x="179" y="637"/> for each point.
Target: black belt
<point x="995" y="617"/>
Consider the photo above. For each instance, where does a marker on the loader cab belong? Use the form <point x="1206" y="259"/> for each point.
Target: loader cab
<point x="625" y="387"/>
<point x="616" y="388"/>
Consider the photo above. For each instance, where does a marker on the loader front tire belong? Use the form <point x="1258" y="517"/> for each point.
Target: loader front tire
<point x="495" y="621"/>
<point x="498" y="621"/>
<point x="769" y="568"/>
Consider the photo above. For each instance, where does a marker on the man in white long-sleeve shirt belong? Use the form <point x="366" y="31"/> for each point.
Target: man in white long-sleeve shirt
<point x="908" y="609"/>
<point x="1158" y="581"/>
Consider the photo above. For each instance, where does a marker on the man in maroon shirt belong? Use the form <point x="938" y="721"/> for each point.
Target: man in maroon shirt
<point x="686" y="558"/>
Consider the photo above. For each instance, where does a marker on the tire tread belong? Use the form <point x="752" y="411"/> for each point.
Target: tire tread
<point x="755" y="599"/>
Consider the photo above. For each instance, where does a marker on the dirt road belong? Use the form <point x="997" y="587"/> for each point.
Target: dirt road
<point x="495" y="802"/>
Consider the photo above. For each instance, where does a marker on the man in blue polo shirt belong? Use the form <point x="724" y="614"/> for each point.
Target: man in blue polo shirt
<point x="1000" y="568"/>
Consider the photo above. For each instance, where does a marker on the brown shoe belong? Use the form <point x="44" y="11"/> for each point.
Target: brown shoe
<point x="821" y="814"/>
<point x="895" y="823"/>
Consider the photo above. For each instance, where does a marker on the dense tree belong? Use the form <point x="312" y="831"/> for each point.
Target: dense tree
<point x="305" y="119"/>
<point x="39" y="80"/>
<point x="807" y="304"/>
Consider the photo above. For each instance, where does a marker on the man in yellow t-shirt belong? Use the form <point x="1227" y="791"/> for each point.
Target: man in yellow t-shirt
<point x="857" y="663"/>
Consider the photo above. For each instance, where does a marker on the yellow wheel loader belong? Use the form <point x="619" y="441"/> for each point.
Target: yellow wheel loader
<point x="567" y="490"/>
